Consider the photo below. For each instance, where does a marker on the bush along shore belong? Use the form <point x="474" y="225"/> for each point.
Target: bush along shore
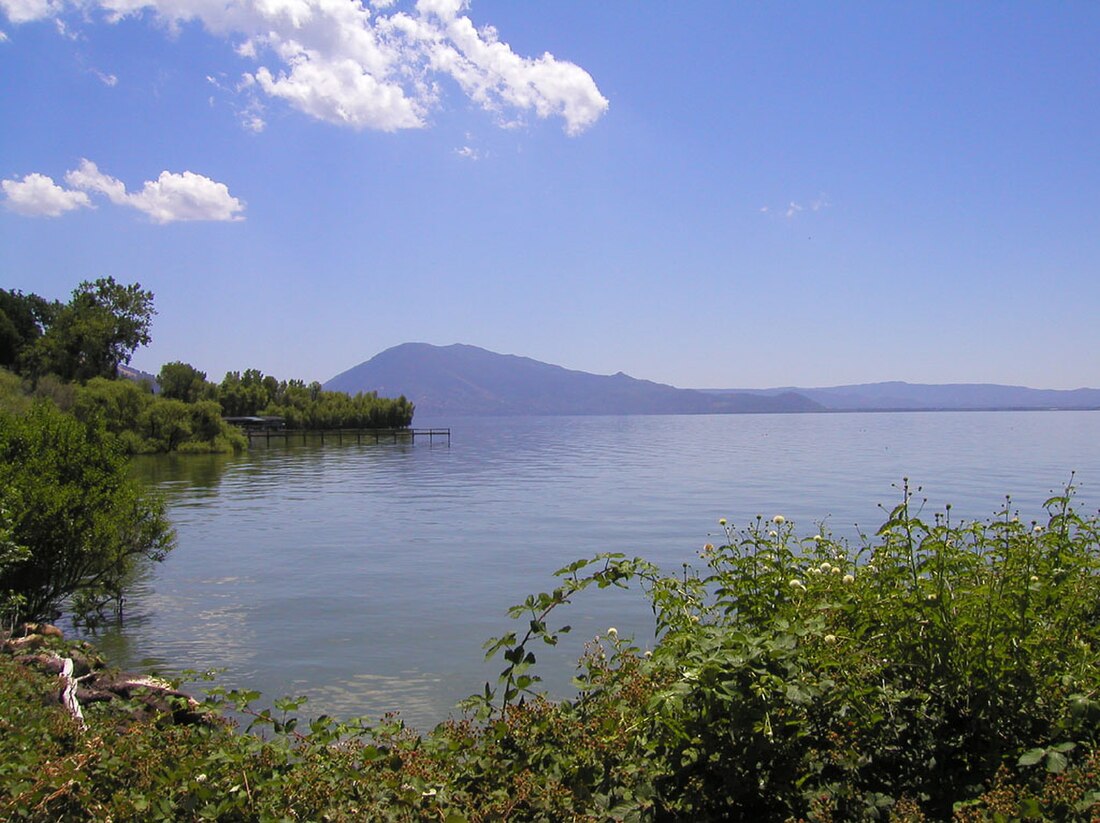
<point x="938" y="670"/>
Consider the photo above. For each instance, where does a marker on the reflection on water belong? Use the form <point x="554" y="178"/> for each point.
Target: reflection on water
<point x="192" y="476"/>
<point x="367" y="576"/>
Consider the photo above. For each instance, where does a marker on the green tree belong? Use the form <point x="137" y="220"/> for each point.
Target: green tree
<point x="13" y="397"/>
<point x="119" y="403"/>
<point x="23" y="319"/>
<point x="73" y="506"/>
<point x="166" y="424"/>
<point x="182" y="381"/>
<point x="242" y="395"/>
<point x="95" y="332"/>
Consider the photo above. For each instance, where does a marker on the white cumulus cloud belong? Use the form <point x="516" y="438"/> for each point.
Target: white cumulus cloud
<point x="186" y="196"/>
<point x="491" y="73"/>
<point x="24" y="11"/>
<point x="369" y="64"/>
<point x="89" y="178"/>
<point x="339" y="90"/>
<point x="170" y="198"/>
<point x="37" y="195"/>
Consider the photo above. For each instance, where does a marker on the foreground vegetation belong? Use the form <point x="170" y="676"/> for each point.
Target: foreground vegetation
<point x="937" y="670"/>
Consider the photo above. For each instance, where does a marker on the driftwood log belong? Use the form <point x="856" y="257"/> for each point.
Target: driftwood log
<point x="68" y="692"/>
<point x="83" y="678"/>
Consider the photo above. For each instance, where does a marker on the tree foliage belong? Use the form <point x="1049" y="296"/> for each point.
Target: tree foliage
<point x="97" y="330"/>
<point x="24" y="318"/>
<point x="83" y="521"/>
<point x="309" y="406"/>
<point x="182" y="381"/>
<point x="146" y="423"/>
<point x="90" y="336"/>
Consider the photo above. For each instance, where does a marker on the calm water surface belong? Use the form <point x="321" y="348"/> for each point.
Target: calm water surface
<point x="368" y="576"/>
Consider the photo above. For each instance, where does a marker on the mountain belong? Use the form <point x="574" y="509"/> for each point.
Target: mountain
<point x="467" y="380"/>
<point x="898" y="396"/>
<point x="138" y="376"/>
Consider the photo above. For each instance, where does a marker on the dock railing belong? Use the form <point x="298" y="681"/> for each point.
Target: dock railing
<point x="339" y="435"/>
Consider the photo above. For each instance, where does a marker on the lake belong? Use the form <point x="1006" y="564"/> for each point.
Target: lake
<point x="367" y="576"/>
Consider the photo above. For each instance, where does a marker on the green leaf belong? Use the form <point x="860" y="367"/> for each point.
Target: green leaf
<point x="1031" y="758"/>
<point x="797" y="695"/>
<point x="1056" y="762"/>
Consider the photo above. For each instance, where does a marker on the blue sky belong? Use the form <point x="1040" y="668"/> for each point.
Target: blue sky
<point x="707" y="194"/>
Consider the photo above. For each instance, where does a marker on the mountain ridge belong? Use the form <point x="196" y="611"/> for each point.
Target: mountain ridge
<point x="461" y="379"/>
<point x="898" y="395"/>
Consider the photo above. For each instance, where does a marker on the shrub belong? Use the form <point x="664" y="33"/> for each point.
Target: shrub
<point x="914" y="667"/>
<point x="804" y="679"/>
<point x="74" y="508"/>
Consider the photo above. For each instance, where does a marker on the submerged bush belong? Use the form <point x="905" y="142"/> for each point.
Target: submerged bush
<point x="937" y="669"/>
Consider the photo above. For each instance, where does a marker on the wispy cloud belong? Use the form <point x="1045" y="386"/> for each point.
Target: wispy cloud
<point x="794" y="208"/>
<point x="170" y="198"/>
<point x="251" y="113"/>
<point x="369" y="66"/>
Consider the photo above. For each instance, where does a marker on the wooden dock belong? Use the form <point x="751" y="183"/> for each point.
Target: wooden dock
<point x="340" y="435"/>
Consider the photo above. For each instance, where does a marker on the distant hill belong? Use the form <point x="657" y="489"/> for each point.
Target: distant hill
<point x="467" y="380"/>
<point x="898" y="396"/>
<point x="138" y="376"/>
